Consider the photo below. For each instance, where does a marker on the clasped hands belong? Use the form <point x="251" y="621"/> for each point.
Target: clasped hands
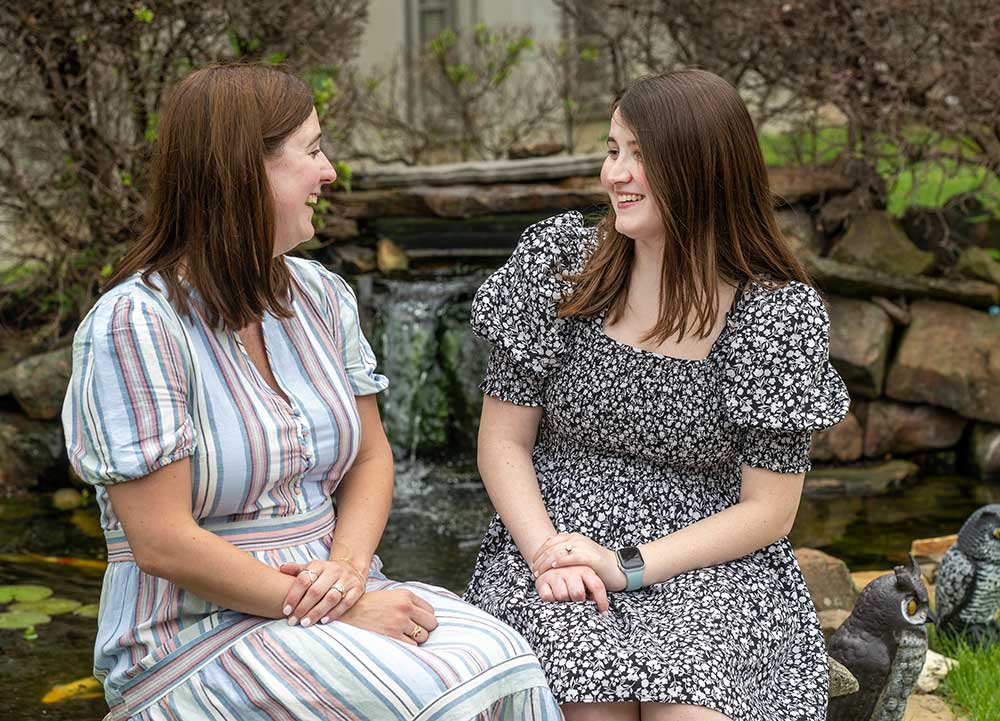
<point x="325" y="591"/>
<point x="572" y="567"/>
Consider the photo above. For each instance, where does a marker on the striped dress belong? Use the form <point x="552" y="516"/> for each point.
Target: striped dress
<point x="150" y="387"/>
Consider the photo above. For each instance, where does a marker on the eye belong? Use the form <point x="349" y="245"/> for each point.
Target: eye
<point x="612" y="153"/>
<point x="911" y="607"/>
<point x="996" y="534"/>
<point x="315" y="152"/>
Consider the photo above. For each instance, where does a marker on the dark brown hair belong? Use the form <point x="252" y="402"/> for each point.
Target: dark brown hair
<point x="707" y="177"/>
<point x="210" y="210"/>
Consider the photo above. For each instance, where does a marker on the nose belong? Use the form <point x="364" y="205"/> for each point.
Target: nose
<point x="328" y="174"/>
<point x="617" y="170"/>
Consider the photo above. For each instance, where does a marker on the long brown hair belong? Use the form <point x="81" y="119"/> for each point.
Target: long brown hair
<point x="210" y="210"/>
<point x="706" y="174"/>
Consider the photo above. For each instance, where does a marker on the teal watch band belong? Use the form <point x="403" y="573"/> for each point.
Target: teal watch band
<point x="631" y="563"/>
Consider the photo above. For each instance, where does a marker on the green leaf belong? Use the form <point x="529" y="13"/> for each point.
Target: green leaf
<point x="22" y="619"/>
<point x="91" y="610"/>
<point x="276" y="58"/>
<point x="23" y="593"/>
<point x="152" y="127"/>
<point x="143" y="14"/>
<point x="48" y="606"/>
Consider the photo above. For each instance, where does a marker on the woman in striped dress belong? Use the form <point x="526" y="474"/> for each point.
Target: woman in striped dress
<point x="221" y="393"/>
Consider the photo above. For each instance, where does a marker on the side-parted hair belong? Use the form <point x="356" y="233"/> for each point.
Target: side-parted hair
<point x="706" y="174"/>
<point x="210" y="211"/>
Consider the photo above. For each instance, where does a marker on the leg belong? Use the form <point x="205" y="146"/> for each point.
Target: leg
<point x="679" y="712"/>
<point x="601" y="711"/>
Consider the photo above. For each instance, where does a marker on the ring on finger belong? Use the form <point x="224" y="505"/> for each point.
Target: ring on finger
<point x="312" y="574"/>
<point x="415" y="631"/>
<point x="568" y="548"/>
<point x="334" y="589"/>
<point x="339" y="588"/>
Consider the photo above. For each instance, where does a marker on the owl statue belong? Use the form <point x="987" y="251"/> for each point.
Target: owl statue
<point x="968" y="581"/>
<point x="883" y="643"/>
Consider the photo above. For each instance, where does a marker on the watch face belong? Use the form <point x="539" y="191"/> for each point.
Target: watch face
<point x="630" y="558"/>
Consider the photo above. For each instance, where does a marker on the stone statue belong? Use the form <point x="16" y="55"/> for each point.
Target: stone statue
<point x="968" y="581"/>
<point x="883" y="643"/>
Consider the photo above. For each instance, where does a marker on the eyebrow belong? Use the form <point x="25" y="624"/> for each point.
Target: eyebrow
<point x="612" y="139"/>
<point x="316" y="139"/>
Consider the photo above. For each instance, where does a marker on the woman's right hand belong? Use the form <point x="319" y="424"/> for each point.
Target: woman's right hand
<point x="572" y="583"/>
<point x="396" y="613"/>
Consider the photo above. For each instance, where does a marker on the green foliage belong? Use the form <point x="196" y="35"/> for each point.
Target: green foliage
<point x="343" y="171"/>
<point x="143" y="14"/>
<point x="975" y="685"/>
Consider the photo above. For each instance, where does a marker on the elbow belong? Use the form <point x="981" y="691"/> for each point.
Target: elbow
<point x="151" y="560"/>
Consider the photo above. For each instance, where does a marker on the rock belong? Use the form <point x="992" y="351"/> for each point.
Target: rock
<point x="922" y="707"/>
<point x="984" y="447"/>
<point x="860" y="480"/>
<point x="933" y="548"/>
<point x="842" y="681"/>
<point x="843" y="442"/>
<point x="860" y="334"/>
<point x="950" y="357"/>
<point x="876" y="241"/>
<point x="829" y="581"/>
<point x="792" y="184"/>
<point x="39" y="383"/>
<point x="936" y="667"/>
<point x="831" y="620"/>
<point x="357" y="258"/>
<point x="863" y="578"/>
<point x="519" y="151"/>
<point x="900" y="314"/>
<point x="797" y="227"/>
<point x="390" y="258"/>
<point x="836" y="211"/>
<point x="977" y="263"/>
<point x="858" y="281"/>
<point x="337" y="228"/>
<point x="30" y="451"/>
<point x="894" y="428"/>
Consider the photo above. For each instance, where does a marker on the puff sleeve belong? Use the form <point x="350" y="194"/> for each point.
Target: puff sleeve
<point x="126" y="409"/>
<point x="515" y="308"/>
<point x="358" y="358"/>
<point x="778" y="384"/>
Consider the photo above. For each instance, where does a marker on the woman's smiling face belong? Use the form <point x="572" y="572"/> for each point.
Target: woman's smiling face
<point x="624" y="179"/>
<point x="296" y="176"/>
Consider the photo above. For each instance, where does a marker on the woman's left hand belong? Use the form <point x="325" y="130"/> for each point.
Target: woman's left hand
<point x="323" y="591"/>
<point x="573" y="549"/>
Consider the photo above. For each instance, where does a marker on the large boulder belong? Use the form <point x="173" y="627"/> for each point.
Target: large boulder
<point x="860" y="334"/>
<point x="843" y="442"/>
<point x="950" y="357"/>
<point x="860" y="480"/>
<point x="30" y="451"/>
<point x="39" y="383"/>
<point x="874" y="240"/>
<point x="892" y="428"/>
<point x="979" y="264"/>
<point x="828" y="580"/>
<point x="797" y="226"/>
<point x="985" y="451"/>
<point x="793" y="183"/>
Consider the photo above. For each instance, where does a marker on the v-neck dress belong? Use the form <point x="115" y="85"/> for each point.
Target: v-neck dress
<point x="149" y="387"/>
<point x="633" y="446"/>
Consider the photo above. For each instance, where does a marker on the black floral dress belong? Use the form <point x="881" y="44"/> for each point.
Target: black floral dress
<point x="634" y="445"/>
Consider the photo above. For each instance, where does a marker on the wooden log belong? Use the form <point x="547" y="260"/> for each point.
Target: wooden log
<point x="478" y="173"/>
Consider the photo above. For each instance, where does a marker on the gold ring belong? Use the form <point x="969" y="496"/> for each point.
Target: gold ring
<point x="415" y="631"/>
<point x="568" y="548"/>
<point x="339" y="588"/>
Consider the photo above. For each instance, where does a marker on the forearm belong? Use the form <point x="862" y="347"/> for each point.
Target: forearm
<point x="364" y="498"/>
<point x="217" y="571"/>
<point x="732" y="533"/>
<point x="509" y="477"/>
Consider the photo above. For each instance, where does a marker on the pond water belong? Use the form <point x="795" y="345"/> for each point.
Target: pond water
<point x="438" y="516"/>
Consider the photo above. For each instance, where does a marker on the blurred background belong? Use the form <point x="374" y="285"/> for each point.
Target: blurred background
<point x="453" y="125"/>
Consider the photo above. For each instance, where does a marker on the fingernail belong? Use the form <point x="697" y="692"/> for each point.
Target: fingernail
<point x="292" y="620"/>
<point x="325" y="619"/>
<point x="286" y="610"/>
<point x="305" y="622"/>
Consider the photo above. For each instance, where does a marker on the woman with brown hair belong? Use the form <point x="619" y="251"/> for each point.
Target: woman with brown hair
<point x="221" y="394"/>
<point x="650" y="397"/>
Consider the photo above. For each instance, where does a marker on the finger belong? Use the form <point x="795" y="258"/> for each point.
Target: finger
<point x="426" y="621"/>
<point x="545" y="592"/>
<point x="574" y="585"/>
<point x="559" y="589"/>
<point x="318" y="581"/>
<point x="546" y="545"/>
<point x="323" y="607"/>
<point x="294" y="597"/>
<point x="291" y="569"/>
<point x="423" y="604"/>
<point x="351" y="596"/>
<point x="599" y="594"/>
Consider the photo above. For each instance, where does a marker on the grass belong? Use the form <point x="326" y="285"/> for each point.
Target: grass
<point x="973" y="687"/>
<point x="923" y="185"/>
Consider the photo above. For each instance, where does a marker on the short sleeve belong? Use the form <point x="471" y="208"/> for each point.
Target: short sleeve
<point x="515" y="309"/>
<point x="358" y="358"/>
<point x="126" y="409"/>
<point x="778" y="383"/>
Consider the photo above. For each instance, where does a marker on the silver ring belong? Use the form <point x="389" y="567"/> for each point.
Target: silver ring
<point x="568" y="548"/>
<point x="312" y="574"/>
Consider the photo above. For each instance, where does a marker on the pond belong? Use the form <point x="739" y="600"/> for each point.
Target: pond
<point x="440" y="510"/>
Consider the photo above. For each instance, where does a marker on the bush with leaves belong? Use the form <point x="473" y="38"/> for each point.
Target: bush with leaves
<point x="80" y="85"/>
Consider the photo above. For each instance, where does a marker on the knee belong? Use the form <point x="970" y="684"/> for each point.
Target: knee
<point x="679" y="712"/>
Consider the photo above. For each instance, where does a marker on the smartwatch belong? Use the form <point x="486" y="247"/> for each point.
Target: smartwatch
<point x="631" y="564"/>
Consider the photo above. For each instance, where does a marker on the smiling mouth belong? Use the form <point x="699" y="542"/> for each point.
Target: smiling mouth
<point x="312" y="200"/>
<point x="629" y="198"/>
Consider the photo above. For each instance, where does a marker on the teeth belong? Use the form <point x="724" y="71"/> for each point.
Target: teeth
<point x="313" y="199"/>
<point x="629" y="197"/>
